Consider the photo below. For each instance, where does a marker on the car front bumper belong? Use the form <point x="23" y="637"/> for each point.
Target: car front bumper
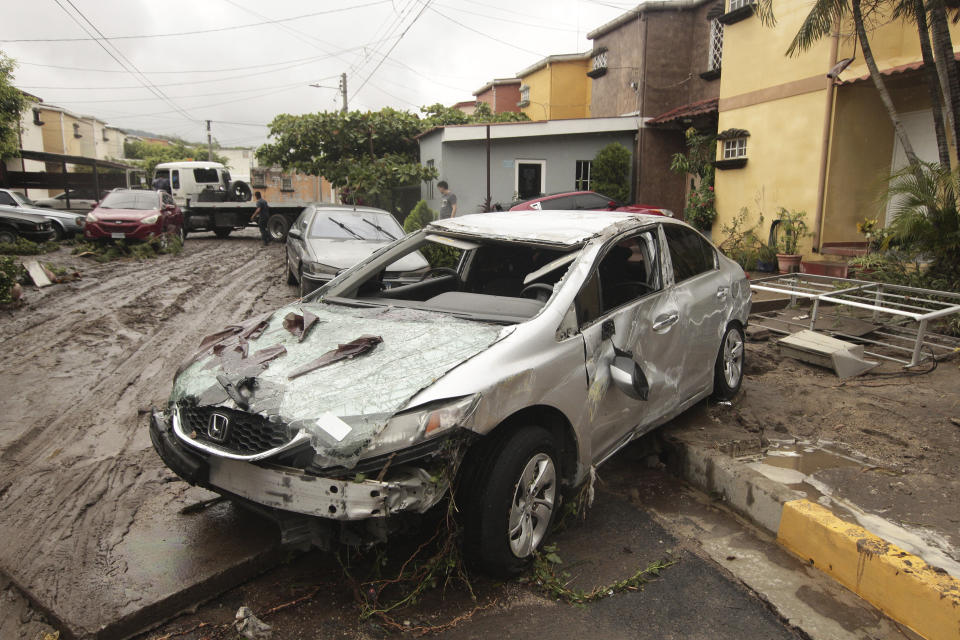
<point x="405" y="488"/>
<point x="120" y="231"/>
<point x="36" y="236"/>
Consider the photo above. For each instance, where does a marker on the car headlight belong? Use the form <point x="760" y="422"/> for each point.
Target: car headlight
<point x="81" y="220"/>
<point x="424" y="423"/>
<point x="92" y="218"/>
<point x="317" y="269"/>
<point x="151" y="219"/>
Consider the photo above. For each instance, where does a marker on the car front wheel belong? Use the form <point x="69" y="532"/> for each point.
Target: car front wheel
<point x="510" y="501"/>
<point x="728" y="370"/>
<point x="7" y="236"/>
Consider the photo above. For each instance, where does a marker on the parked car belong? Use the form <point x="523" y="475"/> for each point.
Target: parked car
<point x="324" y="241"/>
<point x="65" y="224"/>
<point x="553" y="341"/>
<point x="134" y="214"/>
<point x="587" y="201"/>
<point x="80" y="200"/>
<point x="15" y="223"/>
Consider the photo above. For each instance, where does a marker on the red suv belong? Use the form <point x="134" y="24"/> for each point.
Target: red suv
<point x="134" y="214"/>
<point x="587" y="201"/>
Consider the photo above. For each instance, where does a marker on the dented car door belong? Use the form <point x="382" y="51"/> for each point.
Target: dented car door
<point x="625" y="310"/>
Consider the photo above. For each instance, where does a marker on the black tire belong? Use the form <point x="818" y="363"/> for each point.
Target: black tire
<point x="728" y="369"/>
<point x="240" y="191"/>
<point x="58" y="233"/>
<point x="7" y="235"/>
<point x="291" y="279"/>
<point x="491" y="494"/>
<point x="300" y="287"/>
<point x="277" y="227"/>
<point x="222" y="232"/>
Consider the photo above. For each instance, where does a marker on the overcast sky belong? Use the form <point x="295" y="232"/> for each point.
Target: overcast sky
<point x="254" y="60"/>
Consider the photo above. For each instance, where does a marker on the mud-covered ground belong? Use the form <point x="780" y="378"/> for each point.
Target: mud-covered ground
<point x="83" y="362"/>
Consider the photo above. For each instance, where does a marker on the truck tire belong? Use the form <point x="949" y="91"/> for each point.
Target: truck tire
<point x="277" y="226"/>
<point x="240" y="191"/>
<point x="222" y="232"/>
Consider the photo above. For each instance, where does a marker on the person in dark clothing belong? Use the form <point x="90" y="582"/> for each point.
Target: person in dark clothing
<point x="261" y="215"/>
<point x="161" y="184"/>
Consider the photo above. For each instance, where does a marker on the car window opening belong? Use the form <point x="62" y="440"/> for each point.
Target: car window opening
<point x="481" y="279"/>
<point x="629" y="270"/>
<point x="144" y="201"/>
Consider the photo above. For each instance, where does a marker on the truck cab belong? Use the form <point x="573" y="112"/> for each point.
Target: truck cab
<point x="188" y="180"/>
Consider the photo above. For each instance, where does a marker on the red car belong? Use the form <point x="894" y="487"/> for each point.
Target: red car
<point x="587" y="201"/>
<point x="132" y="214"/>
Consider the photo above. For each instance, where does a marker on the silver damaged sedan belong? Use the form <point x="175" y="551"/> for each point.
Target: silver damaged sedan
<point x="536" y="346"/>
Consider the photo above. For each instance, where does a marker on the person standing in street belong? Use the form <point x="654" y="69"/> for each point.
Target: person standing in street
<point x="262" y="215"/>
<point x="448" y="200"/>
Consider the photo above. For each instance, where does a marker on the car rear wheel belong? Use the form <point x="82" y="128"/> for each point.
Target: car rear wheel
<point x="7" y="236"/>
<point x="509" y="500"/>
<point x="728" y="370"/>
<point x="58" y="232"/>
<point x="222" y="232"/>
<point x="291" y="279"/>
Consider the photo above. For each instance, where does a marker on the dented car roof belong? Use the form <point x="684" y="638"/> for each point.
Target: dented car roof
<point x="567" y="228"/>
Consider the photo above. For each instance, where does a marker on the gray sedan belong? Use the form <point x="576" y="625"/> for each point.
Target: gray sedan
<point x="551" y="341"/>
<point x="325" y="240"/>
<point x="65" y="224"/>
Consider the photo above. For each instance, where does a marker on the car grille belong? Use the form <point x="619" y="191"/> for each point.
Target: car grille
<point x="246" y="433"/>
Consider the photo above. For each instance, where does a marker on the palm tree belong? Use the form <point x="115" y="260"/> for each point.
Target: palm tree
<point x="926" y="218"/>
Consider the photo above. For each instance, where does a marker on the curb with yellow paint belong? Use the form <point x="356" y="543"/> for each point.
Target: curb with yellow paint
<point x="898" y="583"/>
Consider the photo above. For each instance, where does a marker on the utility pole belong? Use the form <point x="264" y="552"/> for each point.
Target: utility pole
<point x="209" y="144"/>
<point x="343" y="91"/>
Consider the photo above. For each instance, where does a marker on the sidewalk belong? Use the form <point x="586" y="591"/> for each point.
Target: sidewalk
<point x="875" y="506"/>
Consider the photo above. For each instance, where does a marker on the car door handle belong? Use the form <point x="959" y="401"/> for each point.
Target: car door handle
<point x="666" y="320"/>
<point x="722" y="292"/>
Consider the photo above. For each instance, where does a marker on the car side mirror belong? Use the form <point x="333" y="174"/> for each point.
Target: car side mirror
<point x="628" y="376"/>
<point x="293" y="232"/>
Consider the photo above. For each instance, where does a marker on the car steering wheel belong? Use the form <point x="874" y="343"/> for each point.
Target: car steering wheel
<point x="540" y="289"/>
<point x="434" y="271"/>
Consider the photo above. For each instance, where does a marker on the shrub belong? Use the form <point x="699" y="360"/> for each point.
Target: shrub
<point x="436" y="255"/>
<point x="24" y="247"/>
<point x="106" y="251"/>
<point x="11" y="271"/>
<point x="610" y="172"/>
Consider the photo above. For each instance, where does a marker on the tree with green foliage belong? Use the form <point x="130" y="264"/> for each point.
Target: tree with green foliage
<point x="610" y="172"/>
<point x="12" y="104"/>
<point x="437" y="115"/>
<point x="363" y="154"/>
<point x="698" y="162"/>
<point x="149" y="154"/>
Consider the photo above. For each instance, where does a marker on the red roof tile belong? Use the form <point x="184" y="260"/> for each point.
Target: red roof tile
<point x="687" y="111"/>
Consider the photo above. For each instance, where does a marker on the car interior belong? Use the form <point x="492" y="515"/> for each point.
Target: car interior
<point x="499" y="281"/>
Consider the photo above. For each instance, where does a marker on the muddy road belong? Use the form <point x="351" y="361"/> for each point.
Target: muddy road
<point x="82" y="363"/>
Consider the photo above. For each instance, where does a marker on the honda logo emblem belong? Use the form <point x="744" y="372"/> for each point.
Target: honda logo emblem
<point x="217" y="429"/>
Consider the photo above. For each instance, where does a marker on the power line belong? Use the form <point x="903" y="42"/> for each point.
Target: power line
<point x="486" y="35"/>
<point x="129" y="65"/>
<point x="425" y="6"/>
<point x="502" y="20"/>
<point x="182" y="71"/>
<point x="202" y="31"/>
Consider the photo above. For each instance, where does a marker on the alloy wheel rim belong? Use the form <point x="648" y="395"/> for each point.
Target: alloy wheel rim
<point x="732" y="358"/>
<point x="534" y="498"/>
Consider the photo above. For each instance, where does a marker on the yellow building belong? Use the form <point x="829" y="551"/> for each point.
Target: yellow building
<point x="792" y="137"/>
<point x="556" y="88"/>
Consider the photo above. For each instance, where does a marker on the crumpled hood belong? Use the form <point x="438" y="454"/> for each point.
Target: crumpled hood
<point x="417" y="348"/>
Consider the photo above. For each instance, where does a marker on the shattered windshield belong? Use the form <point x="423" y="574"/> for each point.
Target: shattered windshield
<point x="478" y="278"/>
<point x="145" y="200"/>
<point x="364" y="225"/>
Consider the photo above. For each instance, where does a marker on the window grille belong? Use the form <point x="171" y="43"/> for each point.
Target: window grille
<point x="581" y="181"/>
<point x="524" y="96"/>
<point x="716" y="45"/>
<point x="736" y="4"/>
<point x="600" y="61"/>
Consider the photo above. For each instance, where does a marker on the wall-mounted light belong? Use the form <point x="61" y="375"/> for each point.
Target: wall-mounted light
<point x="839" y="68"/>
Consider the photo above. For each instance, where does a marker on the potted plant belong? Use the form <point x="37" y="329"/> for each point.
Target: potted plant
<point x="791" y="228"/>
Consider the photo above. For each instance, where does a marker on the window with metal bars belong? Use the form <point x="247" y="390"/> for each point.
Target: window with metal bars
<point x="736" y="4"/>
<point x="581" y="181"/>
<point x="716" y="45"/>
<point x="600" y="61"/>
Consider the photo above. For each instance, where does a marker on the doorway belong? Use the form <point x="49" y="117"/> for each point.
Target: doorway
<point x="530" y="178"/>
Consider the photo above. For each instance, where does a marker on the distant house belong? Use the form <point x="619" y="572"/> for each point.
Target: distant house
<point x="466" y="106"/>
<point x="660" y="61"/>
<point x="277" y="185"/>
<point x="502" y="94"/>
<point x="556" y="88"/>
<point x="527" y="159"/>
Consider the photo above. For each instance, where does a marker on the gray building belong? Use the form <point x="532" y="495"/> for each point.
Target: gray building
<point x="526" y="158"/>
